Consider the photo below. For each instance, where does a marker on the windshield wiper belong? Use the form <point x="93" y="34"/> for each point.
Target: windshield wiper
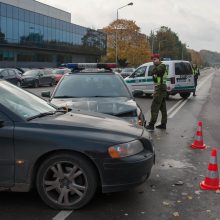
<point x="45" y="114"/>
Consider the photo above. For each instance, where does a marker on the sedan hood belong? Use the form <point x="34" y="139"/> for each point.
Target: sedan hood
<point x="112" y="106"/>
<point x="97" y="124"/>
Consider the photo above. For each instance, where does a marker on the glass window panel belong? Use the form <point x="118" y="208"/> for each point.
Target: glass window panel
<point x="4" y="28"/>
<point x="53" y="23"/>
<point x="37" y="18"/>
<point x="15" y="30"/>
<point x="26" y="16"/>
<point x="9" y="30"/>
<point x="32" y="20"/>
<point x="15" y="13"/>
<point x="9" y="11"/>
<point x="3" y="9"/>
<point x="54" y="38"/>
<point x="45" y="21"/>
<point x="49" y="34"/>
<point x="49" y="21"/>
<point x="57" y="24"/>
<point x="21" y="30"/>
<point x="21" y="14"/>
<point x="41" y="20"/>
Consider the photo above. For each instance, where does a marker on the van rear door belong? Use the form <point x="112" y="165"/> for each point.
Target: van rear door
<point x="184" y="76"/>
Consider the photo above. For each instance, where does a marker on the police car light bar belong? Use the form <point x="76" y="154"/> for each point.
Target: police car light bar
<point x="89" y="65"/>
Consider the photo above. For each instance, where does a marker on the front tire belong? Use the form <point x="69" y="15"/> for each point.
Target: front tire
<point x="66" y="181"/>
<point x="36" y="84"/>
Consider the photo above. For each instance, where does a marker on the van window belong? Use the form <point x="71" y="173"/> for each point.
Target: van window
<point x="183" y="69"/>
<point x="140" y="72"/>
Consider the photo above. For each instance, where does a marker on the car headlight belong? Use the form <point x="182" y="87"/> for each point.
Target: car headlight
<point x="126" y="149"/>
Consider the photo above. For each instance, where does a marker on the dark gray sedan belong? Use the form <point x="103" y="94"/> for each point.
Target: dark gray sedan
<point x="37" y="77"/>
<point x="102" y="91"/>
<point x="67" y="155"/>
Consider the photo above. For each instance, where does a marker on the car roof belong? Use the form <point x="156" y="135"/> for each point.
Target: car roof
<point x="167" y="62"/>
<point x="92" y="73"/>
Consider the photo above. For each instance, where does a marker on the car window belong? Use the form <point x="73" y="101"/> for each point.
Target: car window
<point x="140" y="72"/>
<point x="11" y="73"/>
<point x="92" y="86"/>
<point x="31" y="73"/>
<point x="4" y="73"/>
<point x="21" y="102"/>
<point x="183" y="69"/>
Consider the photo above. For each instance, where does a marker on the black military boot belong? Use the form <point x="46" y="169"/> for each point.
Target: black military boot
<point x="161" y="126"/>
<point x="150" y="127"/>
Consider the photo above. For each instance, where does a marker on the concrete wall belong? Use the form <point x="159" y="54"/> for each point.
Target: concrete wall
<point x="41" y="8"/>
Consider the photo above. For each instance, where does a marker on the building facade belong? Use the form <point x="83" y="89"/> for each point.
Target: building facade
<point x="33" y="34"/>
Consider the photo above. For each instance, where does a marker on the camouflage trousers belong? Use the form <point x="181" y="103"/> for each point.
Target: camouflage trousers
<point x="159" y="104"/>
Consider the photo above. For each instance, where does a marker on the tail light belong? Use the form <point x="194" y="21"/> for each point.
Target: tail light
<point x="172" y="80"/>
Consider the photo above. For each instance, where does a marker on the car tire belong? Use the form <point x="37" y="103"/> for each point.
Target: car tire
<point x="36" y="84"/>
<point x="185" y="95"/>
<point x="18" y="84"/>
<point x="52" y="83"/>
<point x="66" y="181"/>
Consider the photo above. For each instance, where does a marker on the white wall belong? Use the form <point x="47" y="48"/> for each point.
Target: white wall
<point x="41" y="8"/>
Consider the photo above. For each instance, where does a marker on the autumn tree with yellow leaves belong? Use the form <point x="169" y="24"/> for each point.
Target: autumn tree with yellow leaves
<point x="133" y="46"/>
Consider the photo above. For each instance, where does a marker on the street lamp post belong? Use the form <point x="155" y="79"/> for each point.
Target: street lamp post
<point x="116" y="34"/>
<point x="160" y="44"/>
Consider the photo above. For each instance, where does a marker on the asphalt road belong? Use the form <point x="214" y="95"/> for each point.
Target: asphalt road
<point x="172" y="192"/>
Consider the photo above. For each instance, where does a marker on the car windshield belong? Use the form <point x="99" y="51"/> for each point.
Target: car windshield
<point x="21" y="102"/>
<point x="31" y="73"/>
<point x="87" y="85"/>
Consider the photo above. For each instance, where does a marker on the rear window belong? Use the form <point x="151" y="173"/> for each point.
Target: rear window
<point x="183" y="69"/>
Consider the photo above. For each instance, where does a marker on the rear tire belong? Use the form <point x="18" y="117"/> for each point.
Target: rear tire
<point x="185" y="95"/>
<point x="36" y="84"/>
<point x="66" y="181"/>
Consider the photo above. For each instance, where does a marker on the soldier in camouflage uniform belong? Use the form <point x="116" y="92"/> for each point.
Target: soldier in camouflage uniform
<point x="196" y="74"/>
<point x="159" y="74"/>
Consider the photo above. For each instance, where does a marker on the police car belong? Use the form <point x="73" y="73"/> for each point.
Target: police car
<point x="180" y="78"/>
<point x="95" y="87"/>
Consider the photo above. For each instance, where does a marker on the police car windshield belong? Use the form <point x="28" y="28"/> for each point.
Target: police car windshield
<point x="92" y="85"/>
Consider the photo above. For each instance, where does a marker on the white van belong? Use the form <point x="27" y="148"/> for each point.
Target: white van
<point x="180" y="78"/>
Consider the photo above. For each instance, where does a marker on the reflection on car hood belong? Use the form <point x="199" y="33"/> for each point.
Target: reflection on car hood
<point x="113" y="106"/>
<point x="91" y="124"/>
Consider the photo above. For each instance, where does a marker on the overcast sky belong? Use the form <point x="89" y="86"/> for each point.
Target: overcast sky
<point x="197" y="22"/>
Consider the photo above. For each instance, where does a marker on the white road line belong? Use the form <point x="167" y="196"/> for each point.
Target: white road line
<point x="185" y="101"/>
<point x="62" y="215"/>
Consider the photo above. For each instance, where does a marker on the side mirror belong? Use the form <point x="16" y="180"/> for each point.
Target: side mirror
<point x="137" y="93"/>
<point x="46" y="94"/>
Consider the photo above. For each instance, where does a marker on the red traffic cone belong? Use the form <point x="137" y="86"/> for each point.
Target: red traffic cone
<point x="198" y="142"/>
<point x="211" y="182"/>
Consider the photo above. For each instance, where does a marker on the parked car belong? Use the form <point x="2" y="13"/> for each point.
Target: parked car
<point x="67" y="155"/>
<point x="103" y="91"/>
<point x="58" y="73"/>
<point x="22" y="70"/>
<point x="11" y="75"/>
<point x="37" y="77"/>
<point x="127" y="72"/>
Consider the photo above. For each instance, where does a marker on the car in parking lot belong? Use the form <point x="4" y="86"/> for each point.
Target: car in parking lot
<point x="99" y="91"/>
<point x="58" y="73"/>
<point x="11" y="75"/>
<point x="37" y="77"/>
<point x="67" y="155"/>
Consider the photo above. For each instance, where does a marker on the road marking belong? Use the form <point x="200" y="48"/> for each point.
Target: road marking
<point x="185" y="101"/>
<point x="62" y="215"/>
